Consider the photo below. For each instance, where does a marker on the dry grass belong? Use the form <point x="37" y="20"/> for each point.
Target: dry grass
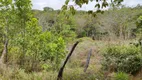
<point x="75" y="66"/>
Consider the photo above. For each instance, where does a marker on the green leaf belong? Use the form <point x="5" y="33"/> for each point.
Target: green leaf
<point x="97" y="5"/>
<point x="90" y="12"/>
<point x="67" y="1"/>
<point x="72" y="10"/>
<point x="64" y="7"/>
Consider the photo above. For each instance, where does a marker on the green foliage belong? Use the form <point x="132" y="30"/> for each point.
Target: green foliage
<point x="52" y="48"/>
<point x="114" y="23"/>
<point x="23" y="9"/>
<point x="121" y="76"/>
<point x="65" y="26"/>
<point x="125" y="58"/>
<point x="121" y="24"/>
<point x="41" y="47"/>
<point x="48" y="9"/>
<point x="29" y="47"/>
<point x="35" y="48"/>
<point x="139" y="26"/>
<point x="100" y="4"/>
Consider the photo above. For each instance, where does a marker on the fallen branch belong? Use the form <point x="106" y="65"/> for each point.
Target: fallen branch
<point x="60" y="74"/>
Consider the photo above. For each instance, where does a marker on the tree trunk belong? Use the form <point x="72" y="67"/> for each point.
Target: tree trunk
<point x="60" y="74"/>
<point x="121" y="33"/>
<point x="88" y="60"/>
<point x="3" y="57"/>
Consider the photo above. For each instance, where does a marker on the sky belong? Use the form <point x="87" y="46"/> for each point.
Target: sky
<point x="57" y="4"/>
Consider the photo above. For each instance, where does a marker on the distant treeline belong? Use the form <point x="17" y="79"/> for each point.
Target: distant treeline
<point x="115" y="23"/>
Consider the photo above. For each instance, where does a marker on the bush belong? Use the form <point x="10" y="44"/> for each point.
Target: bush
<point x="36" y="48"/>
<point x="121" y="76"/>
<point x="123" y="58"/>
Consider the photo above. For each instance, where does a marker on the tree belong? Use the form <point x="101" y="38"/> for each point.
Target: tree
<point x="138" y="30"/>
<point x="42" y="47"/>
<point x="65" y="26"/>
<point x="33" y="45"/>
<point x="100" y="4"/>
<point x="23" y="41"/>
<point x="24" y="14"/>
<point x="46" y="19"/>
<point x="5" y="25"/>
<point x="48" y="9"/>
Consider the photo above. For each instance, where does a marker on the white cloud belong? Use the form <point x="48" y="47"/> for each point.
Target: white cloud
<point x="132" y="2"/>
<point x="39" y="4"/>
<point x="57" y="4"/>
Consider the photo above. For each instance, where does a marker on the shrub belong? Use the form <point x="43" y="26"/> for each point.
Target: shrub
<point x="36" y="48"/>
<point x="121" y="76"/>
<point x="123" y="58"/>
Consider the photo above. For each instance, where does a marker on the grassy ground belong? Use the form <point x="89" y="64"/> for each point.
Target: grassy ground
<point x="75" y="67"/>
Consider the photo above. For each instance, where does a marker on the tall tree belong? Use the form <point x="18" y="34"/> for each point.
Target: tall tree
<point x="24" y="14"/>
<point x="5" y="25"/>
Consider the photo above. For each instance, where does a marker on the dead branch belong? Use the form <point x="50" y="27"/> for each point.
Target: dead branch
<point x="60" y="74"/>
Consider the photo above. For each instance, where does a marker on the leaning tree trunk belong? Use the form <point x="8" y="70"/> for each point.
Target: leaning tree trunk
<point x="60" y="74"/>
<point x="3" y="57"/>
